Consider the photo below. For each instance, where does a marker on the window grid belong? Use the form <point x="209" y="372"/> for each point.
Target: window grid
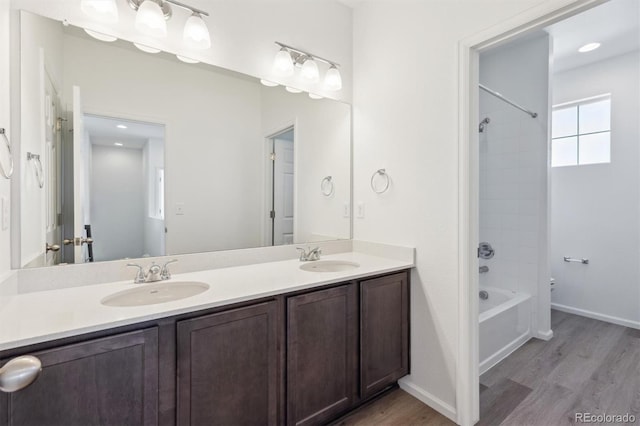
<point x="577" y="133"/>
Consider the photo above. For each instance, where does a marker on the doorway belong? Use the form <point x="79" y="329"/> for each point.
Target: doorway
<point x="281" y="190"/>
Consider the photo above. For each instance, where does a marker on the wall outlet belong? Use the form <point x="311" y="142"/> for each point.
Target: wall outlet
<point x="360" y="210"/>
<point x="346" y="210"/>
<point x="5" y="213"/>
<point x="179" y="209"/>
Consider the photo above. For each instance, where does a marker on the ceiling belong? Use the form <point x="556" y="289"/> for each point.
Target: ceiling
<point x="615" y="24"/>
<point x="104" y="131"/>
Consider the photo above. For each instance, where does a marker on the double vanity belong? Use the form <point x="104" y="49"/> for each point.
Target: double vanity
<point x="283" y="342"/>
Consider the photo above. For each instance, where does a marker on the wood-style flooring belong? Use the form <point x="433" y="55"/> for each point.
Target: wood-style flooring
<point x="589" y="366"/>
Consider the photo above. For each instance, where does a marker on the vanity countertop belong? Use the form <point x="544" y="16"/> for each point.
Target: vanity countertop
<point x="41" y="316"/>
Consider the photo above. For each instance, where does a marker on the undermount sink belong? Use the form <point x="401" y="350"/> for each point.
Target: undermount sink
<point x="150" y="294"/>
<point x="329" y="266"/>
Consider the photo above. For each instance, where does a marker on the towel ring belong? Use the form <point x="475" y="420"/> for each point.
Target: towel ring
<point x="38" y="168"/>
<point x="326" y="186"/>
<point x="380" y="172"/>
<point x="3" y="172"/>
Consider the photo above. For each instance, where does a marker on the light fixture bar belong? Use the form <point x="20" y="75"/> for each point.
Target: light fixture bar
<point x="302" y="52"/>
<point x="184" y="6"/>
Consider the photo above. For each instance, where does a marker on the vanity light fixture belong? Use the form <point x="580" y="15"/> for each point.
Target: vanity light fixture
<point x="118" y="144"/>
<point x="589" y="47"/>
<point x="102" y="10"/>
<point x="152" y="17"/>
<point x="289" y="57"/>
<point x="100" y="36"/>
<point x="187" y="60"/>
<point x="147" y="49"/>
<point x="268" y="83"/>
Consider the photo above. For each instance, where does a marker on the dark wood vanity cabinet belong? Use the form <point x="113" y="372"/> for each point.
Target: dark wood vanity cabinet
<point x="384" y="332"/>
<point x="228" y="367"/>
<point x="107" y="381"/>
<point x="322" y="350"/>
<point x="302" y="358"/>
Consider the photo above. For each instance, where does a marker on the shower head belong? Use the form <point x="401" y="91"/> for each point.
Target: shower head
<point x="483" y="123"/>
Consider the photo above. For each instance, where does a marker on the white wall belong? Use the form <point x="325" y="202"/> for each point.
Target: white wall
<point x="242" y="32"/>
<point x="5" y="192"/>
<point x="322" y="148"/>
<point x="41" y="49"/>
<point x="513" y="172"/>
<point x="117" y="202"/>
<point x="596" y="208"/>
<point x="406" y="120"/>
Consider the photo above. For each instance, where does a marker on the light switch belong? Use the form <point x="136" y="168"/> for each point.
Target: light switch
<point x="5" y="213"/>
<point x="360" y="210"/>
<point x="179" y="209"/>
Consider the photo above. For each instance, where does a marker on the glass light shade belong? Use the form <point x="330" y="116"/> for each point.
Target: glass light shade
<point x="292" y="90"/>
<point x="589" y="47"/>
<point x="333" y="80"/>
<point x="101" y="10"/>
<point x="268" y="83"/>
<point x="314" y="96"/>
<point x="100" y="36"/>
<point x="283" y="64"/>
<point x="146" y="48"/>
<point x="310" y="71"/>
<point x="150" y="19"/>
<point x="187" y="60"/>
<point x="196" y="34"/>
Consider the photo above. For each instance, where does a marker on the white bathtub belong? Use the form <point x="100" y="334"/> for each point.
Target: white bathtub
<point x="505" y="319"/>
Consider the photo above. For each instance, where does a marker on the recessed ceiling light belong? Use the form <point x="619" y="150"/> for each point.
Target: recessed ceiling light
<point x="268" y="83"/>
<point x="589" y="47"/>
<point x="118" y="144"/>
<point x="121" y="126"/>
<point x="292" y="90"/>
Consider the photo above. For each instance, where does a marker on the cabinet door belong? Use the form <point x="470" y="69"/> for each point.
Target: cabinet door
<point x="228" y="367"/>
<point x="321" y="355"/>
<point x="108" y="381"/>
<point x="384" y="332"/>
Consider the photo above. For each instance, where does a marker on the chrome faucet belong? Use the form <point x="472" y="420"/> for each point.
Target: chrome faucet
<point x="309" y="254"/>
<point x="153" y="274"/>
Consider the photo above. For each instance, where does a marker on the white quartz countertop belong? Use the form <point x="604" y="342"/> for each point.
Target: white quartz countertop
<point x="49" y="315"/>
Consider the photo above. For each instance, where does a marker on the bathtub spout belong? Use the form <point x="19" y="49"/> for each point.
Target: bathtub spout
<point x="484" y="269"/>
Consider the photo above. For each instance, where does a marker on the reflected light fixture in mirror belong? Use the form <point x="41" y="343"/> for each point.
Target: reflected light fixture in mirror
<point x="102" y="10"/>
<point x="147" y="49"/>
<point x="292" y="90"/>
<point x="195" y="34"/>
<point x="100" y="36"/>
<point x="589" y="47"/>
<point x="150" y="19"/>
<point x="288" y="57"/>
<point x="314" y="96"/>
<point x="268" y="83"/>
<point x="187" y="60"/>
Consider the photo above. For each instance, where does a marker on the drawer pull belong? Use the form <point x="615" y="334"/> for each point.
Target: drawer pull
<point x="19" y="373"/>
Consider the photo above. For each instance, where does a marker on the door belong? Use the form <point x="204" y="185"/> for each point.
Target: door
<point x="228" y="368"/>
<point x="283" y="178"/>
<point x="384" y="332"/>
<point x="53" y="149"/>
<point x="321" y="355"/>
<point x="108" y="381"/>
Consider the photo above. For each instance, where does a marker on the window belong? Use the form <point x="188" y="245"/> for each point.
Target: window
<point x="581" y="133"/>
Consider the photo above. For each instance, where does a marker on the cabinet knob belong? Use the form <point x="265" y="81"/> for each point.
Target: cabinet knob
<point x="19" y="373"/>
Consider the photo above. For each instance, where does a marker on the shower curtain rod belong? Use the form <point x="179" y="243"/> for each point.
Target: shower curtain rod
<point x="499" y="96"/>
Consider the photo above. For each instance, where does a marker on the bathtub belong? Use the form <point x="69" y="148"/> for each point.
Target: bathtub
<point x="505" y="325"/>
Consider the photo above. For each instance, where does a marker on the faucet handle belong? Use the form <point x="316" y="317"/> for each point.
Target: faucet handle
<point x="165" y="274"/>
<point x="304" y="256"/>
<point x="140" y="275"/>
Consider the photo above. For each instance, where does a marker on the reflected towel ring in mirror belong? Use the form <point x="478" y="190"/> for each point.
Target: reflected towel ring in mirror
<point x="379" y="189"/>
<point x="326" y="186"/>
<point x="38" y="168"/>
<point x="6" y="173"/>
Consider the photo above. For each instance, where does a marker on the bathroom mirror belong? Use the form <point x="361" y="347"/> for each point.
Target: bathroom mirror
<point x="128" y="154"/>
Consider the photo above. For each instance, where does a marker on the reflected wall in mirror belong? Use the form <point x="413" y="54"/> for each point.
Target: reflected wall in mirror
<point x="210" y="159"/>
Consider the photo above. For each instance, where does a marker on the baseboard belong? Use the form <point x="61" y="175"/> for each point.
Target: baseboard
<point x="432" y="401"/>
<point x="595" y="315"/>
<point x="544" y="335"/>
